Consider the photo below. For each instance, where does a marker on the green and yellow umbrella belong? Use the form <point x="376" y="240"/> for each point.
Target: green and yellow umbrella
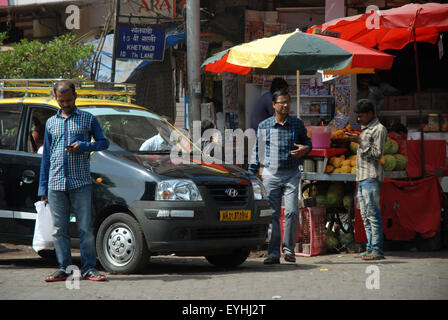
<point x="298" y="51"/>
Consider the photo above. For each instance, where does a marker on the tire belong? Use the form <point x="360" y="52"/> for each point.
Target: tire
<point x="229" y="260"/>
<point x="121" y="245"/>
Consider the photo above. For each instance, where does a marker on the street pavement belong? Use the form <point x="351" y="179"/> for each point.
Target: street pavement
<point x="402" y="275"/>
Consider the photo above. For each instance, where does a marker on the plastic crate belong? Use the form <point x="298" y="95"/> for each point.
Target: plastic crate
<point x="310" y="232"/>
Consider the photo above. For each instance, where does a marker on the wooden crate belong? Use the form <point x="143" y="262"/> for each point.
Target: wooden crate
<point x="423" y="99"/>
<point x="439" y="101"/>
<point x="400" y="102"/>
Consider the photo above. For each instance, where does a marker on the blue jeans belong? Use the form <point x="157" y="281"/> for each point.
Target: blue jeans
<point x="369" y="198"/>
<point x="81" y="201"/>
<point x="282" y="183"/>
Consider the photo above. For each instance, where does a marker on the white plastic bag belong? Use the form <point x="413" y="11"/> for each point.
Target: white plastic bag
<point x="43" y="229"/>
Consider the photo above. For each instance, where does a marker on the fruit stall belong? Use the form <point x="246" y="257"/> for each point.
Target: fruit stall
<point x="329" y="176"/>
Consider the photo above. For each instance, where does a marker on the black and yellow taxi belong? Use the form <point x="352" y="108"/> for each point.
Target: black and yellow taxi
<point x="144" y="203"/>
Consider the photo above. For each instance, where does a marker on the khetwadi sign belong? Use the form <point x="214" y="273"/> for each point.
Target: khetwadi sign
<point x="140" y="42"/>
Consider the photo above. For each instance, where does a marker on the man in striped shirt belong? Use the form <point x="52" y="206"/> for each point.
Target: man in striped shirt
<point x="65" y="179"/>
<point x="286" y="143"/>
<point x="369" y="175"/>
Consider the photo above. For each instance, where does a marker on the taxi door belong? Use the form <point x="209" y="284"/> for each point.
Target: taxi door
<point x="11" y="117"/>
<point x="26" y="167"/>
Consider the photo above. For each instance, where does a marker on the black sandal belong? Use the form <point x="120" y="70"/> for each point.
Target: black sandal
<point x="57" y="276"/>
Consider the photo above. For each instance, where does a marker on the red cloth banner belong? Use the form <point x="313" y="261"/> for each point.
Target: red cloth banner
<point x="407" y="208"/>
<point x="435" y="156"/>
<point x="416" y="205"/>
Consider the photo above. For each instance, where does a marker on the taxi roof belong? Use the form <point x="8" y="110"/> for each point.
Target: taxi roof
<point x="79" y="102"/>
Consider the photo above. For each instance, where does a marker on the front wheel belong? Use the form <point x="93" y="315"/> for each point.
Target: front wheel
<point x="120" y="244"/>
<point x="233" y="259"/>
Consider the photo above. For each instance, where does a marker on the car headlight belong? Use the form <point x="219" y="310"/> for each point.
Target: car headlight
<point x="178" y="189"/>
<point x="258" y="187"/>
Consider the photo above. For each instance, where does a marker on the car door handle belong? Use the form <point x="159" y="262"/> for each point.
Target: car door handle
<point x="28" y="176"/>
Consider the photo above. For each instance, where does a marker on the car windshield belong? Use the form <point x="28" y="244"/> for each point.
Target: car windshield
<point x="137" y="130"/>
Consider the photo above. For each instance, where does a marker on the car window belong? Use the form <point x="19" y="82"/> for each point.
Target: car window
<point x="36" y="129"/>
<point x="9" y="125"/>
<point x="136" y="130"/>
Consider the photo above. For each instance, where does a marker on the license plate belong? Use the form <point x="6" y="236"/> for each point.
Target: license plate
<point x="234" y="215"/>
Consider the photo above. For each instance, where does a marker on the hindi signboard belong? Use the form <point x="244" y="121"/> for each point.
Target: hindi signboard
<point x="140" y="43"/>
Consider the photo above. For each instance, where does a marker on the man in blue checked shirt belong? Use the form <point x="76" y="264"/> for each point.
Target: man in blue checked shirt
<point x="65" y="179"/>
<point x="285" y="142"/>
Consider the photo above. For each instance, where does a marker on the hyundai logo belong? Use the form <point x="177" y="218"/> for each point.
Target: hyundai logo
<point x="231" y="192"/>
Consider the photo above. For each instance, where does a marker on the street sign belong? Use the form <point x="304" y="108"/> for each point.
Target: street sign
<point x="140" y="43"/>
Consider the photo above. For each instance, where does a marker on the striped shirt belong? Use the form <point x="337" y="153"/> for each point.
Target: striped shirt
<point x="61" y="170"/>
<point x="370" y="151"/>
<point x="277" y="142"/>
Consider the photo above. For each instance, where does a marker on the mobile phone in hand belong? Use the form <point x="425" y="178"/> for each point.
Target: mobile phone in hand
<point x="352" y="136"/>
<point x="69" y="147"/>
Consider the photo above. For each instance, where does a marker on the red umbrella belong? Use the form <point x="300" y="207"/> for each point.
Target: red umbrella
<point x="394" y="29"/>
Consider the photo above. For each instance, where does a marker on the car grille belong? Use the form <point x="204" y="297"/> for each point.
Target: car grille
<point x="218" y="192"/>
<point x="254" y="231"/>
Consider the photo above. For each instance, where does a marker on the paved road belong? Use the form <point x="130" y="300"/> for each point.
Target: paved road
<point x="403" y="275"/>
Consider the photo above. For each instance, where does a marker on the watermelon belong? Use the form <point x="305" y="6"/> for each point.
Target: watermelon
<point x="321" y="200"/>
<point x="390" y="162"/>
<point x="347" y="201"/>
<point x="391" y="147"/>
<point x="347" y="238"/>
<point x="353" y="147"/>
<point x="334" y="199"/>
<point x="337" y="187"/>
<point x="401" y="162"/>
<point x="335" y="194"/>
<point x="331" y="241"/>
<point x="394" y="146"/>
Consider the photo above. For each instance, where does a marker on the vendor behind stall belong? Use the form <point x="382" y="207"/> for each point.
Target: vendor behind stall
<point x="400" y="131"/>
<point x="367" y="90"/>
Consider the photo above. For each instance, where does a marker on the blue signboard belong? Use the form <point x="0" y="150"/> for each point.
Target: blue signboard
<point x="140" y="42"/>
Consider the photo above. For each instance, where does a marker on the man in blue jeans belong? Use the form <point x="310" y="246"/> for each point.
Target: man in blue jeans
<point x="65" y="179"/>
<point x="285" y="143"/>
<point x="369" y="175"/>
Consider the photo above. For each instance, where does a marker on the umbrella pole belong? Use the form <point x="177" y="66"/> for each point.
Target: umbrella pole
<point x="422" y="137"/>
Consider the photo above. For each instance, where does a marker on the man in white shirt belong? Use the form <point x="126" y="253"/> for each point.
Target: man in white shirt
<point x="158" y="142"/>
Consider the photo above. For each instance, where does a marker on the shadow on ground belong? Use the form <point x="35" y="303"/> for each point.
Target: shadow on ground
<point x="24" y="257"/>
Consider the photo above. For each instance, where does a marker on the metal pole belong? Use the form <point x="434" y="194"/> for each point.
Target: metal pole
<point x="193" y="61"/>
<point x="114" y="55"/>
<point x="420" y="116"/>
